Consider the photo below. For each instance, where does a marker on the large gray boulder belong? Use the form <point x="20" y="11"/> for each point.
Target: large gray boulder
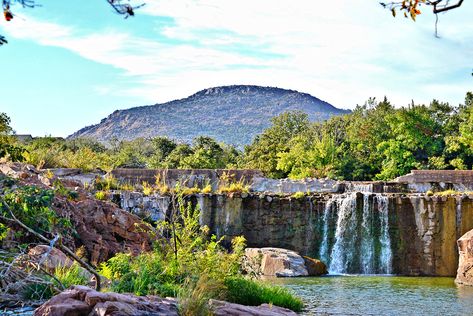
<point x="465" y="262"/>
<point x="274" y="262"/>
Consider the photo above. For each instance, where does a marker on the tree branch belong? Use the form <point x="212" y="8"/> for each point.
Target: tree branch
<point x="447" y="7"/>
<point x="59" y="246"/>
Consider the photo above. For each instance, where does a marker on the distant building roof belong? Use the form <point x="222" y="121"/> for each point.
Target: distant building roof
<point x="24" y="137"/>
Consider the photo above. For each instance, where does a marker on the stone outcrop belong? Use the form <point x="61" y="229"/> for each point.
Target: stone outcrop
<point x="102" y="228"/>
<point x="221" y="308"/>
<point x="289" y="186"/>
<point x="315" y="267"/>
<point x="465" y="264"/>
<point x="274" y="262"/>
<point x="52" y="258"/>
<point x="83" y="301"/>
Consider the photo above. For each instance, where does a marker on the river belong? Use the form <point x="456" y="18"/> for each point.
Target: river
<point x="381" y="295"/>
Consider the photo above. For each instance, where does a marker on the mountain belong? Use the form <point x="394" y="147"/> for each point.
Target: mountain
<point x="231" y="114"/>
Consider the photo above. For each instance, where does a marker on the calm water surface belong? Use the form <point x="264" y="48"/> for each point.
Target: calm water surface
<point x="381" y="295"/>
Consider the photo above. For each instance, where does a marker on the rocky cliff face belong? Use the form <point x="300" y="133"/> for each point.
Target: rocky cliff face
<point x="232" y="114"/>
<point x="355" y="232"/>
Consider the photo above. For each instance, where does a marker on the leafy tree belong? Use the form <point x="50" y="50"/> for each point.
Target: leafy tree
<point x="162" y="148"/>
<point x="262" y="154"/>
<point x="207" y="154"/>
<point x="314" y="158"/>
<point x="8" y="146"/>
<point x="176" y="157"/>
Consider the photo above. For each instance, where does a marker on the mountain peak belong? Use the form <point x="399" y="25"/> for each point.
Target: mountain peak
<point x="233" y="114"/>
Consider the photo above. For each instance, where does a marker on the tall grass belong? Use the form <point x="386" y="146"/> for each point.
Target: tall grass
<point x="253" y="293"/>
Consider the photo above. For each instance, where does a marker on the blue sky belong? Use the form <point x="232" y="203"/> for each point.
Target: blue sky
<point x="71" y="63"/>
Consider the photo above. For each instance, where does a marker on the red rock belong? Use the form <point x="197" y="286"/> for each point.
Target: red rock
<point x="221" y="308"/>
<point x="81" y="300"/>
<point x="315" y="267"/>
<point x="103" y="228"/>
<point x="465" y="263"/>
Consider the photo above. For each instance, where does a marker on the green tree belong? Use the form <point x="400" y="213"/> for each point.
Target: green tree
<point x="263" y="153"/>
<point x="162" y="148"/>
<point x="207" y="154"/>
<point x="8" y="146"/>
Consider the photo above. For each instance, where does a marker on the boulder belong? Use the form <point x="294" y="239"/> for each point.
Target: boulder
<point x="465" y="263"/>
<point x="103" y="228"/>
<point x="274" y="262"/>
<point x="221" y="308"/>
<point x="52" y="258"/>
<point x="81" y="300"/>
<point x="315" y="267"/>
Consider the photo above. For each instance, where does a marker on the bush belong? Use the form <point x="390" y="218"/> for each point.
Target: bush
<point x="32" y="206"/>
<point x="207" y="189"/>
<point x="69" y="276"/>
<point x="235" y="187"/>
<point x="249" y="292"/>
<point x="107" y="183"/>
<point x="101" y="195"/>
<point x="147" y="188"/>
<point x="298" y="195"/>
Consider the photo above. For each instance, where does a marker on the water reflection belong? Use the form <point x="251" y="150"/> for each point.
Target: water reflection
<point x="375" y="295"/>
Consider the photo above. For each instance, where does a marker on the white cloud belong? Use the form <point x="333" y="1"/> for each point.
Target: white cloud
<point x="340" y="51"/>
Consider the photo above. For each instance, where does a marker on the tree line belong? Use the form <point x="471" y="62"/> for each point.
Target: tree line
<point x="377" y="141"/>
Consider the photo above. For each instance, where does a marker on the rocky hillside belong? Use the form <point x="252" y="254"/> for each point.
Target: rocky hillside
<point x="232" y="114"/>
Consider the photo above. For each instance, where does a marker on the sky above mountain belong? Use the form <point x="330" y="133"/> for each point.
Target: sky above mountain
<point x="70" y="63"/>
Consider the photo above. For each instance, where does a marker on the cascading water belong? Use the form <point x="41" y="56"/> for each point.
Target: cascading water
<point x="355" y="233"/>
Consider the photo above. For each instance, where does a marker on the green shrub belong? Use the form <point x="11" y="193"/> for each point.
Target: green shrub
<point x="235" y="187"/>
<point x="249" y="292"/>
<point x="101" y="195"/>
<point x="38" y="291"/>
<point x="72" y="275"/>
<point x="147" y="188"/>
<point x="60" y="189"/>
<point x="298" y="195"/>
<point x="32" y="206"/>
<point x="207" y="189"/>
<point x="107" y="183"/>
<point x="189" y="191"/>
<point x="194" y="296"/>
<point x="447" y="192"/>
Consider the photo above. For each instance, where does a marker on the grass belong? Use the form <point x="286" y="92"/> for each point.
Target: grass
<point x="101" y="195"/>
<point x="194" y="296"/>
<point x="253" y="293"/>
<point x="189" y="191"/>
<point x="235" y="187"/>
<point x="147" y="188"/>
<point x="298" y="195"/>
<point x="107" y="183"/>
<point x="207" y="189"/>
<point x="72" y="275"/>
<point x="448" y="192"/>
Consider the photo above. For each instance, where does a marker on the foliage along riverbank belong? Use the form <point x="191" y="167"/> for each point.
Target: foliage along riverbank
<point x="184" y="260"/>
<point x="377" y="141"/>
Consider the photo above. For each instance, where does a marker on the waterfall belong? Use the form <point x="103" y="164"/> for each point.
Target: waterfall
<point x="323" y="251"/>
<point x="386" y="252"/>
<point x="345" y="235"/>
<point x="367" y="241"/>
<point x="355" y="238"/>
